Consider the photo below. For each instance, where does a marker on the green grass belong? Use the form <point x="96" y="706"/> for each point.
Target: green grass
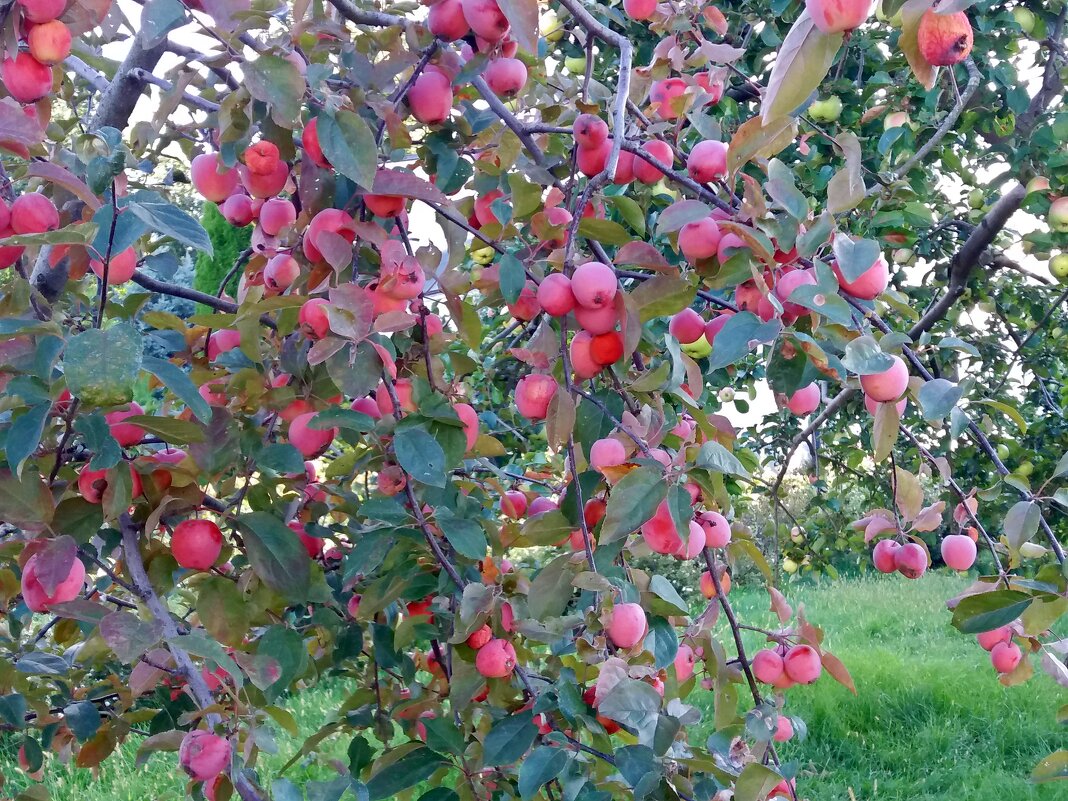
<point x="930" y="720"/>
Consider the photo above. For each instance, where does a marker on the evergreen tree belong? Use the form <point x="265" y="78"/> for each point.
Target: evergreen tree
<point x="228" y="241"/>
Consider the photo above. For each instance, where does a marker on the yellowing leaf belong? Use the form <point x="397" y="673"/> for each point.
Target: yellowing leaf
<point x="803" y="61"/>
<point x="911" y="13"/>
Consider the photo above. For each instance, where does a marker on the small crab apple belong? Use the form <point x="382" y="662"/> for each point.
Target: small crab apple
<point x="469" y="417"/>
<point x="526" y="306"/>
<point x="784" y="729"/>
<point x="280" y="273"/>
<point x="311" y="442"/>
<point x="384" y="205"/>
<point x="275" y="214"/>
<point x="25" y="78"/>
<point x="309" y="140"/>
<point x="802" y="664"/>
<point x="514" y="504"/>
<point x="204" y="755"/>
<point x="506" y="76"/>
<point x="624" y="173"/>
<point x="541" y="504"/>
<point x="126" y="434"/>
<point x="313" y="320"/>
<point x="264" y="186"/>
<point x="687" y="326"/>
<point x="496" y="659"/>
<point x="211" y="178"/>
<point x="944" y="39"/>
<point x="639" y="9"/>
<point x="353" y="606"/>
<point x="663" y="93"/>
<point x="555" y="295"/>
<point x="237" y="210"/>
<point x="607" y="348"/>
<point x="685" y="660"/>
<point x="884" y="555"/>
<point x="889" y="385"/>
<point x="958" y="551"/>
<point x="223" y="341"/>
<point x="659" y="531"/>
<point x="49" y="42"/>
<point x="869" y="284"/>
<point x="594" y="285"/>
<point x="37" y="596"/>
<point x="446" y="20"/>
<point x="707" y="161"/>
<point x="836" y="16"/>
<point x="805" y="400"/>
<point x="196" y="544"/>
<point x="767" y="666"/>
<point x="699" y="239"/>
<point x="708" y="586"/>
<point x="313" y="546"/>
<point x="911" y="560"/>
<point x="592" y="159"/>
<point x="33" y="213"/>
<point x="430" y="98"/>
<point x="717" y="529"/>
<point x="479" y="637"/>
<point x="627" y="625"/>
<point x="92" y="484"/>
<point x="38" y="11"/>
<point x="532" y="395"/>
<point x="988" y="639"/>
<point x="262" y="157"/>
<point x="607" y="452"/>
<point x="121" y="267"/>
<point x="486" y="19"/>
<point x="590" y="131"/>
<point x="646" y="171"/>
<point x="1005" y="656"/>
<point x="582" y="361"/>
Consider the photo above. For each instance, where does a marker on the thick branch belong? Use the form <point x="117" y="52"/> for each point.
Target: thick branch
<point x="117" y="102"/>
<point x="379" y="19"/>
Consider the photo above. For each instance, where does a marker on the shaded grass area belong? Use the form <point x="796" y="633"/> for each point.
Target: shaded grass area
<point x="930" y="720"/>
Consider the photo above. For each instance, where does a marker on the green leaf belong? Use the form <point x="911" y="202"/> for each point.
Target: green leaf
<point x="178" y="382"/>
<point x="276" y="554"/>
<point x="986" y="611"/>
<point x="633" y="703"/>
<point x="83" y="718"/>
<point x="679" y="214"/>
<point x="465" y="536"/>
<point x="662" y="642"/>
<point x="1009" y="411"/>
<point x="631" y="212"/>
<point x="276" y="81"/>
<point x="937" y="399"/>
<point x="349" y="145"/>
<point x="170" y="429"/>
<point x="716" y="457"/>
<point x="25" y="501"/>
<point x="13" y="710"/>
<point x="97" y="437"/>
<point x="1021" y="523"/>
<point x="129" y="636"/>
<point x="604" y="231"/>
<point x="543" y="765"/>
<point x="636" y="762"/>
<point x="1062" y="466"/>
<point x="160" y="17"/>
<point x="513" y="277"/>
<point x="547" y="528"/>
<point x="670" y="602"/>
<point x="410" y="769"/>
<point x="1051" y="768"/>
<point x="662" y="295"/>
<point x="169" y="220"/>
<point x="781" y="187"/>
<point x="281" y="457"/>
<point x="509" y="739"/>
<point x="855" y="256"/>
<point x="420" y="455"/>
<point x="734" y="339"/>
<point x="24" y="435"/>
<point x="755" y="782"/>
<point x="101" y="367"/>
<point x="550" y="590"/>
<point x="804" y="58"/>
<point x="633" y="501"/>
<point x="864" y="357"/>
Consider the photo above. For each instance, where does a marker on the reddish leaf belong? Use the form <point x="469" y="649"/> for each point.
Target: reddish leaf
<point x="779" y="605"/>
<point x="641" y="254"/>
<point x="16" y="127"/>
<point x="407" y="184"/>
<point x="833" y="665"/>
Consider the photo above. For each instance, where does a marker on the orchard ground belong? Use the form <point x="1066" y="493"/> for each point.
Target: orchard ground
<point x="930" y="720"/>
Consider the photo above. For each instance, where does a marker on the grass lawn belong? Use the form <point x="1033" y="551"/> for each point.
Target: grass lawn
<point x="930" y="720"/>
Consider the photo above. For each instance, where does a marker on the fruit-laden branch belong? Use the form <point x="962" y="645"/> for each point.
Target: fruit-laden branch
<point x="198" y="687"/>
<point x="829" y="411"/>
<point x="174" y="290"/>
<point x="950" y="120"/>
<point x="509" y="119"/>
<point x="379" y="19"/>
<point x="969" y="256"/>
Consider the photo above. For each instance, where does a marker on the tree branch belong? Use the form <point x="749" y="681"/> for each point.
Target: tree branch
<point x="349" y="11"/>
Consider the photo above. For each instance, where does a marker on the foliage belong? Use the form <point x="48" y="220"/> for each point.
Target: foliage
<point x="467" y="432"/>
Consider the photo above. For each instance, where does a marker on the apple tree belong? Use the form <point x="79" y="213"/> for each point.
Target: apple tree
<point x="533" y="292"/>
